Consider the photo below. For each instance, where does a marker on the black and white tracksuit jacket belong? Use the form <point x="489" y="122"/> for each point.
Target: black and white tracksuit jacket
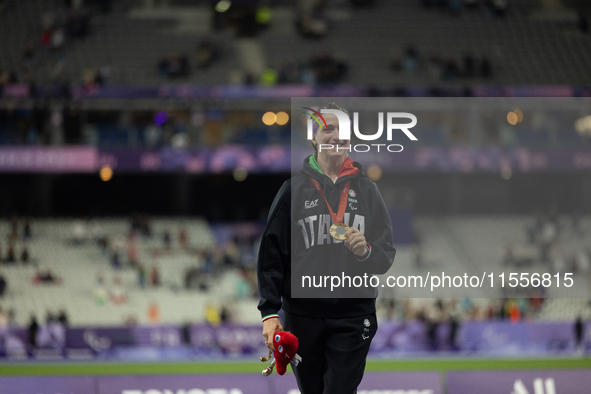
<point x="297" y="230"/>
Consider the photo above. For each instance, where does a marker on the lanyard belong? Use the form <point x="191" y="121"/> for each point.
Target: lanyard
<point x="338" y="218"/>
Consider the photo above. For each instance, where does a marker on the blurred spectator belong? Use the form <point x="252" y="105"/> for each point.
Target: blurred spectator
<point x="207" y="53"/>
<point x="10" y="255"/>
<point x="269" y="77"/>
<point x="62" y="317"/>
<point x="135" y="223"/>
<point x="231" y="255"/>
<point x="327" y="68"/>
<point x="57" y="39"/>
<point x="145" y="226"/>
<point x="166" y="240"/>
<point x="225" y="315"/>
<point x="431" y="326"/>
<point x="514" y="312"/>
<point x="509" y="255"/>
<point x="153" y="313"/>
<point x="410" y="61"/>
<point x="245" y="286"/>
<point x="549" y="232"/>
<point x="208" y="262"/>
<point x="186" y="333"/>
<point x="174" y="66"/>
<point x="579" y="329"/>
<point x="183" y="238"/>
<point x="154" y="276"/>
<point x="390" y="306"/>
<point x="451" y="70"/>
<point x="45" y="38"/>
<point x="323" y="68"/>
<point x="79" y="232"/>
<point x="130" y="321"/>
<point x="454" y="325"/>
<point x="100" y="293"/>
<point x="26" y="228"/>
<point x="312" y="25"/>
<point x="33" y="328"/>
<point x="105" y="72"/>
<point x="98" y="78"/>
<point x="77" y="24"/>
<point x="212" y="315"/>
<point x="46" y="277"/>
<point x="103" y="243"/>
<point x="118" y="294"/>
<point x="115" y="260"/>
<point x="3" y="320"/>
<point x="153" y="136"/>
<point x="195" y="278"/>
<point x="3" y="285"/>
<point x="14" y="227"/>
<point x="57" y="72"/>
<point x="583" y="262"/>
<point x="141" y="275"/>
<point x="485" y="68"/>
<point x="11" y="315"/>
<point x="132" y="252"/>
<point x="25" y="255"/>
<point x="535" y="304"/>
<point x="49" y="317"/>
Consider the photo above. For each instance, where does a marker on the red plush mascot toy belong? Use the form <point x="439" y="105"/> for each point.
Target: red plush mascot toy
<point x="286" y="347"/>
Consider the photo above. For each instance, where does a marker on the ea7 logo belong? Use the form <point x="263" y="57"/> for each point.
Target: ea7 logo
<point x="311" y="204"/>
<point x="345" y="124"/>
<point x="541" y="386"/>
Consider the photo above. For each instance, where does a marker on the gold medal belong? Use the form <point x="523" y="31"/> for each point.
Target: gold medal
<point x="338" y="230"/>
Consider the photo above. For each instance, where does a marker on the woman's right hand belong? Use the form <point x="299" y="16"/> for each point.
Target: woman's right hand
<point x="270" y="327"/>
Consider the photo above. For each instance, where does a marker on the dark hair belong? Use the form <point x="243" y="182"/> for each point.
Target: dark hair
<point x="327" y="106"/>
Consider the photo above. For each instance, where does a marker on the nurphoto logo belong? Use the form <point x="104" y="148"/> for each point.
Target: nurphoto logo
<point x="345" y="129"/>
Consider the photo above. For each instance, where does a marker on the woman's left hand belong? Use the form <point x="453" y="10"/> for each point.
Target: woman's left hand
<point x="356" y="241"/>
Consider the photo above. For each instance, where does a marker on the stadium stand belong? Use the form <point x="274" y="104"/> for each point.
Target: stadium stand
<point x="69" y="249"/>
<point x="130" y="44"/>
<point x="131" y="40"/>
<point x="516" y="45"/>
<point x="78" y="266"/>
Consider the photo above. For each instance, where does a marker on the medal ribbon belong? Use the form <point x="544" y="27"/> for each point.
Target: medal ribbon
<point x="338" y="218"/>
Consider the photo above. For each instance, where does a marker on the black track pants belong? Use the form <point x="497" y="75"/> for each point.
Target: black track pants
<point x="333" y="352"/>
